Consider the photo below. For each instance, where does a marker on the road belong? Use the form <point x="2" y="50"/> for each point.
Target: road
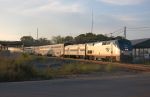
<point x="114" y="86"/>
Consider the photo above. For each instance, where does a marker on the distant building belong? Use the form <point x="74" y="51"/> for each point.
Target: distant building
<point x="12" y="46"/>
<point x="141" y="49"/>
<point x="2" y="47"/>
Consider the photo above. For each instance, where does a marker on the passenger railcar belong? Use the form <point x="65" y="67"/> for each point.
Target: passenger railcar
<point x="15" y="50"/>
<point x="76" y="51"/>
<point x="29" y="50"/>
<point x="57" y="50"/>
<point x="46" y="50"/>
<point x="42" y="50"/>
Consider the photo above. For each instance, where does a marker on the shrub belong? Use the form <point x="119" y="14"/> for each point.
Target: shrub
<point x="17" y="69"/>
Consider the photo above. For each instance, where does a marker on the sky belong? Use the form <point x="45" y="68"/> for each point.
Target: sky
<point x="73" y="17"/>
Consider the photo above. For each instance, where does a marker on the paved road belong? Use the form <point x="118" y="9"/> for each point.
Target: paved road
<point x="124" y="86"/>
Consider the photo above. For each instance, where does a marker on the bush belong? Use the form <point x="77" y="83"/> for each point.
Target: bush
<point x="17" y="69"/>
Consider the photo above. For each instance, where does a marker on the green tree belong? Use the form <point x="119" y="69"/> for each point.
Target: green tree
<point x="119" y="37"/>
<point x="80" y="38"/>
<point x="44" y="41"/>
<point x="101" y="37"/>
<point x="90" y="37"/>
<point x="85" y="38"/>
<point x="58" y="39"/>
<point x="27" y="40"/>
<point x="68" y="39"/>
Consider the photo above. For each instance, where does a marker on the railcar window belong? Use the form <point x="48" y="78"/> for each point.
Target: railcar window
<point x="73" y="50"/>
<point x="91" y="44"/>
<point x="56" y="46"/>
<point x="82" y="49"/>
<point x="89" y="52"/>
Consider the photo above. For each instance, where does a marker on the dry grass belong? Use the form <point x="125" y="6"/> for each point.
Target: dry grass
<point x="23" y="68"/>
<point x="19" y="68"/>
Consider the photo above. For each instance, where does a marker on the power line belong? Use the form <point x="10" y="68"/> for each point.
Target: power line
<point x="117" y="32"/>
<point x="139" y="28"/>
<point x="126" y="29"/>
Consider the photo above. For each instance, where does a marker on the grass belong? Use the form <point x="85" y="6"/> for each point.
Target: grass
<point x="23" y="68"/>
<point x="78" y="68"/>
<point x="110" y="68"/>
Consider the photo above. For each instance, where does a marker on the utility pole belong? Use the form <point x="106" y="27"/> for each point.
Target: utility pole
<point x="125" y="32"/>
<point x="92" y="25"/>
<point x="111" y="49"/>
<point x="37" y="34"/>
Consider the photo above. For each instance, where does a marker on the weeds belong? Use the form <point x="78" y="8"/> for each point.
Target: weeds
<point x="23" y="67"/>
<point x="17" y="69"/>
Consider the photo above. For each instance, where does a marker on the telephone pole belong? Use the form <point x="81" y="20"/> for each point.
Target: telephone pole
<point x="125" y="32"/>
<point x="111" y="49"/>
<point x="92" y="21"/>
<point x="37" y="34"/>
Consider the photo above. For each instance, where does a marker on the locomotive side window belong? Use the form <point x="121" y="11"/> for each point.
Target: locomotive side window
<point x="105" y="43"/>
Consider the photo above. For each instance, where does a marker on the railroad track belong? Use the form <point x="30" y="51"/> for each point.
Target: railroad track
<point x="136" y="67"/>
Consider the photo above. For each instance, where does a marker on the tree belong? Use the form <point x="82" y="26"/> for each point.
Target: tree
<point x="101" y="37"/>
<point x="27" y="40"/>
<point x="68" y="39"/>
<point x="44" y="41"/>
<point x="58" y="39"/>
<point x="85" y="38"/>
<point x="119" y="37"/>
<point x="80" y="38"/>
<point x="90" y="37"/>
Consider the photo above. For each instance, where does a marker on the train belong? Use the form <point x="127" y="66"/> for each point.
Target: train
<point x="113" y="50"/>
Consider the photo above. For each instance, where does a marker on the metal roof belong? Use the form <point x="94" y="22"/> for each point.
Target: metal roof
<point x="141" y="43"/>
<point x="11" y="43"/>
